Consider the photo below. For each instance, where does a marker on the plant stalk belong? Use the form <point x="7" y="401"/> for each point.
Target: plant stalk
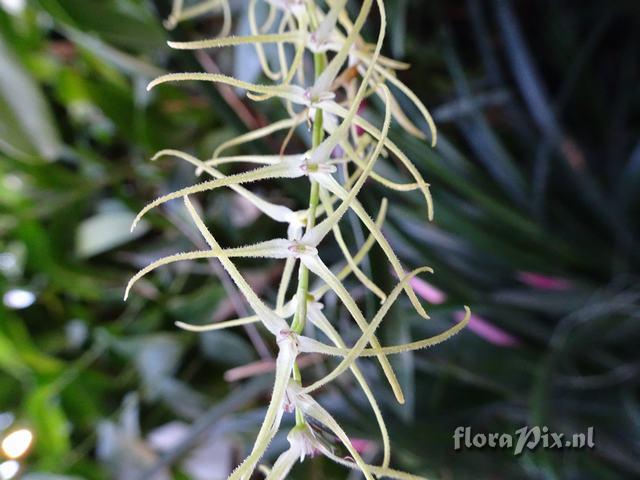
<point x="300" y="316"/>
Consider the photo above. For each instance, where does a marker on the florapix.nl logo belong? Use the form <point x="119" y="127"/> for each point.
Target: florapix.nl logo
<point x="525" y="438"/>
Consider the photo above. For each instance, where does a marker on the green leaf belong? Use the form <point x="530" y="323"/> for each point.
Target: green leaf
<point x="226" y="348"/>
<point x="398" y="10"/>
<point x="51" y="427"/>
<point x="123" y="61"/>
<point x="196" y="307"/>
<point x="27" y="129"/>
<point x="48" y="476"/>
<point x="124" y="24"/>
<point x="10" y="358"/>
<point x="106" y="231"/>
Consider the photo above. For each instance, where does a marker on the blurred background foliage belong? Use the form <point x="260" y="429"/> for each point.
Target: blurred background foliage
<point x="536" y="180"/>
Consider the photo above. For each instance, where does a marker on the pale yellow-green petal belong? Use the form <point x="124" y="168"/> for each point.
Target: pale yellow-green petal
<point x="218" y="325"/>
<point x="320" y="321"/>
<point x="368" y="335"/>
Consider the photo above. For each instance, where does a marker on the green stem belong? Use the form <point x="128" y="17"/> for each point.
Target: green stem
<point x="314" y="197"/>
<point x="300" y="316"/>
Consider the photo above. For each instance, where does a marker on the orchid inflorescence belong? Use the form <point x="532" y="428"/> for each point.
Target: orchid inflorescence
<point x="346" y="70"/>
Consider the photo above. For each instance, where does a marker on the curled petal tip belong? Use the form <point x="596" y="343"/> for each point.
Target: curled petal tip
<point x="127" y="291"/>
<point x="152" y="84"/>
<point x="430" y="213"/>
<point x="162" y="153"/>
<point x="399" y="394"/>
<point x="170" y="23"/>
<point x="136" y="221"/>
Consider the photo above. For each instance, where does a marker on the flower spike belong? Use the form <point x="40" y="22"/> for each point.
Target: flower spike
<point x="330" y="98"/>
